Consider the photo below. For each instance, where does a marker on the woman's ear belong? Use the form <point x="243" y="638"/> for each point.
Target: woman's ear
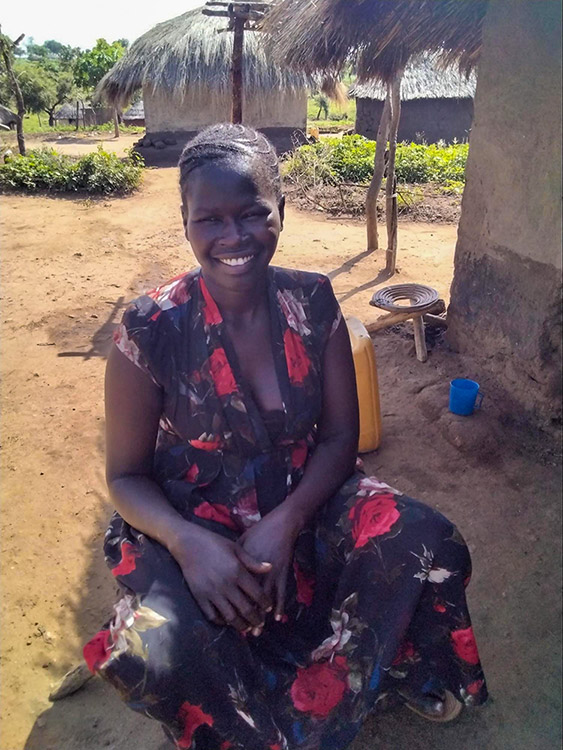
<point x="281" y="209"/>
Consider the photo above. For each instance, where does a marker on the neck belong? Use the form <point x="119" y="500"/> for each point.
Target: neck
<point x="241" y="304"/>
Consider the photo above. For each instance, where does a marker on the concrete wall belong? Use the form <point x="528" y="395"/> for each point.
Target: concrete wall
<point x="430" y="120"/>
<point x="165" y="113"/>
<point x="505" y="306"/>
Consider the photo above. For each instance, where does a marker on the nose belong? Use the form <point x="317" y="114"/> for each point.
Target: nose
<point x="231" y="235"/>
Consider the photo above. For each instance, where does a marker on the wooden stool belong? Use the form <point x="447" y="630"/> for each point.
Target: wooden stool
<point x="422" y="299"/>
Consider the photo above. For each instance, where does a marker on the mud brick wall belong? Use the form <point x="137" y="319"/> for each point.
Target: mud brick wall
<point x="505" y="306"/>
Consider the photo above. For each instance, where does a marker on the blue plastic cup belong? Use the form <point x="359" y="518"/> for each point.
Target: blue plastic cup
<point x="463" y="396"/>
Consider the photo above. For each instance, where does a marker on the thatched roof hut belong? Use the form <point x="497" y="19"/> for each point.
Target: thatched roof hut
<point x="437" y="102"/>
<point x="135" y="115"/>
<point x="8" y="118"/>
<point x="380" y="36"/>
<point x="183" y="68"/>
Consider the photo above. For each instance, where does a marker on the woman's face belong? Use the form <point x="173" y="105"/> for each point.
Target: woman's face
<point x="232" y="223"/>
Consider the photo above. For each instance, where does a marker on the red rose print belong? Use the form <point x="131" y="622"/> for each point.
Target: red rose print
<point x="192" y="473"/>
<point x="298" y="362"/>
<point x="206" y="445"/>
<point x="438" y="606"/>
<point x="407" y="652"/>
<point x="221" y="373"/>
<point x="98" y="650"/>
<point x="305" y="585"/>
<point x="191" y="717"/>
<point x="320" y="687"/>
<point x="372" y="516"/>
<point x="128" y="555"/>
<point x="246" y="508"/>
<point x="216" y="512"/>
<point x="474" y="687"/>
<point x="211" y="314"/>
<point x="465" y="646"/>
<point x="298" y="455"/>
<point x="226" y="745"/>
<point x="277" y="746"/>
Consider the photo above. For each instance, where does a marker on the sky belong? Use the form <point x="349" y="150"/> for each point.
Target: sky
<point x="81" y="23"/>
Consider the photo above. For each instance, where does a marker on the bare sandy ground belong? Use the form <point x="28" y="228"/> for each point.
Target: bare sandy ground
<point x="69" y="267"/>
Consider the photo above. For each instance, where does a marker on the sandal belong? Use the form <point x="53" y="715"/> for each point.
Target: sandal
<point x="438" y="708"/>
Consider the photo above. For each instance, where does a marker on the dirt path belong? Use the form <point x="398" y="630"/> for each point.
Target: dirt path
<point x="69" y="267"/>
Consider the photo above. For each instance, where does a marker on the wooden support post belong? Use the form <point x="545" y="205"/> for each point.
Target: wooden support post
<point x="237" y="69"/>
<point x="77" y="114"/>
<point x="377" y="177"/>
<point x="419" y="340"/>
<point x="391" y="211"/>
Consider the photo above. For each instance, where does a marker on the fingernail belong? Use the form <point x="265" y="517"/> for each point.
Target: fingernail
<point x="269" y="609"/>
<point x="256" y="631"/>
<point x="278" y="618"/>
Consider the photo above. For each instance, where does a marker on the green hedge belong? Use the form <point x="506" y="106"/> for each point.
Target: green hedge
<point x="98" y="172"/>
<point x="350" y="159"/>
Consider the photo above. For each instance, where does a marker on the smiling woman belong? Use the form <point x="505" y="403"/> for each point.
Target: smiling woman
<point x="272" y="593"/>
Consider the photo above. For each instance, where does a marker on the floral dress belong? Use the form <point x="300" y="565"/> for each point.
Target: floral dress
<point x="376" y="600"/>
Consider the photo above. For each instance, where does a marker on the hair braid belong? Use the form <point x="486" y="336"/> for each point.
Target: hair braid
<point x="231" y="143"/>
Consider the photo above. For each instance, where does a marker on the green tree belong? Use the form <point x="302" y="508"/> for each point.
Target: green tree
<point x="92" y="65"/>
<point x="43" y="89"/>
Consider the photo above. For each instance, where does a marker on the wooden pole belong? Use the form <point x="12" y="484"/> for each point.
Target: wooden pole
<point x="6" y="52"/>
<point x="237" y="69"/>
<point x="391" y="211"/>
<point x="377" y="178"/>
<point x="115" y="123"/>
<point x="77" y="115"/>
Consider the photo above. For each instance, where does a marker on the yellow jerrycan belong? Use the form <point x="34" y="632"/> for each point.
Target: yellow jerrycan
<point x="367" y="385"/>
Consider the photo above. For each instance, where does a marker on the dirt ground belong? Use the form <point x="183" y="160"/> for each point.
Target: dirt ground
<point x="69" y="267"/>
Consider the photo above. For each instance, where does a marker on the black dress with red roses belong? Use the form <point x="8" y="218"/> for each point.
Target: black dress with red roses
<point x="376" y="602"/>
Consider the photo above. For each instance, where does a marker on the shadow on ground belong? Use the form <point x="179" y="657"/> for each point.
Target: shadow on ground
<point x="503" y="492"/>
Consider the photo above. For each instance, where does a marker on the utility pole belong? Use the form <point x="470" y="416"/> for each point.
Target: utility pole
<point x="7" y="47"/>
<point x="242" y="17"/>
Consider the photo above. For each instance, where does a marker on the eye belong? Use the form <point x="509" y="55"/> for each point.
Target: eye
<point x="208" y="220"/>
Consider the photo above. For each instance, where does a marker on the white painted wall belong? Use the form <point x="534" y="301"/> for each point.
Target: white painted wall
<point x="164" y="112"/>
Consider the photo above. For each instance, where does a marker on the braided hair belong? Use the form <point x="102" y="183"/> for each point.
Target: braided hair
<point x="232" y="144"/>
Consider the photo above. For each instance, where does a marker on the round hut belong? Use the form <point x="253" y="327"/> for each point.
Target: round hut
<point x="183" y="67"/>
<point x="437" y="103"/>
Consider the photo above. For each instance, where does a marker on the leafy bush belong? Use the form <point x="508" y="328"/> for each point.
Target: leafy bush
<point x="98" y="172"/>
<point x="350" y="159"/>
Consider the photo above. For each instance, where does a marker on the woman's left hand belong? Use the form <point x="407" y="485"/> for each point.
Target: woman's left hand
<point x="273" y="539"/>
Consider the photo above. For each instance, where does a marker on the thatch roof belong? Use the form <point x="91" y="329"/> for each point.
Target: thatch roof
<point x="378" y="36"/>
<point x="423" y="78"/>
<point x="7" y="117"/>
<point x="135" y="112"/>
<point x="66" y="112"/>
<point x="187" y="56"/>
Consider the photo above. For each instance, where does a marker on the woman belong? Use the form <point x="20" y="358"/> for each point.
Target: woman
<point x="272" y="593"/>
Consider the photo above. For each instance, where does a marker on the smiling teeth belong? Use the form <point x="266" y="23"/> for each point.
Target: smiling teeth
<point x="236" y="261"/>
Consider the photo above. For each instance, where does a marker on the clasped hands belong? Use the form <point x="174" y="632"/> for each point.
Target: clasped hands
<point x="239" y="583"/>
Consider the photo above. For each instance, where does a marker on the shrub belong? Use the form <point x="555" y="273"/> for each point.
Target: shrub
<point x="98" y="172"/>
<point x="350" y="159"/>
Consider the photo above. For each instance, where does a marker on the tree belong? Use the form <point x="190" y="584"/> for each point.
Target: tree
<point x="7" y="47"/>
<point x="43" y="89"/>
<point x="92" y="65"/>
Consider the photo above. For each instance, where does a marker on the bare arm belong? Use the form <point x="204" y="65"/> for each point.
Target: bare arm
<point x="224" y="586"/>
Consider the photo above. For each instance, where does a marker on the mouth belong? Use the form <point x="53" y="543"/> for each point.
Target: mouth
<point x="240" y="261"/>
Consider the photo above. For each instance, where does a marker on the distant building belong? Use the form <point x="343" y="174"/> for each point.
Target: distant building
<point x="183" y="68"/>
<point x="87" y="115"/>
<point x="135" y="115"/>
<point x="435" y="104"/>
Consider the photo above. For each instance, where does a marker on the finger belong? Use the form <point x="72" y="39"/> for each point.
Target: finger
<point x="252" y="616"/>
<point x="230" y="615"/>
<point x="281" y="583"/>
<point x="256" y="592"/>
<point x="209" y="611"/>
<point x="254" y="566"/>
